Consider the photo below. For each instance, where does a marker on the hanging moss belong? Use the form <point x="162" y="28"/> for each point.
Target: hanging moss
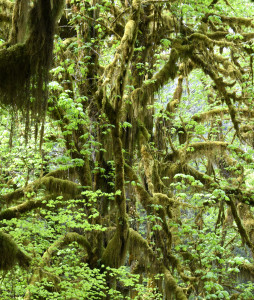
<point x="51" y="184"/>
<point x="140" y="247"/>
<point x="172" y="105"/>
<point x="25" y="60"/>
<point x="11" y="254"/>
<point x="247" y="219"/>
<point x="115" y="253"/>
<point x="56" y="185"/>
<point x="148" y="164"/>
<point x="209" y="42"/>
<point x="243" y="233"/>
<point x="18" y="210"/>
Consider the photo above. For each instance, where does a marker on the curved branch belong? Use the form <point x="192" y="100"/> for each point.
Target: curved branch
<point x="11" y="254"/>
<point x="50" y="183"/>
<point x="139" y="246"/>
<point x="62" y="242"/>
<point x="29" y="205"/>
<point x="241" y="229"/>
<point x="168" y="71"/>
<point x="205" y="116"/>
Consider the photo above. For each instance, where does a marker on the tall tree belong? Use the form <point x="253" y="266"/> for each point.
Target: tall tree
<point x="143" y="183"/>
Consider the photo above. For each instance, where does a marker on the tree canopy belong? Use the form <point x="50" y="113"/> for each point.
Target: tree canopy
<point x="127" y="167"/>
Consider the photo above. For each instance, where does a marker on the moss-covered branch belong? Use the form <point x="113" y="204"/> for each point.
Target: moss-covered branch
<point x="62" y="242"/>
<point x="60" y="186"/>
<point x="144" y="196"/>
<point x="202" y="177"/>
<point x="241" y="229"/>
<point x="51" y="184"/>
<point x="206" y="116"/>
<point x="29" y="205"/>
<point x="11" y="254"/>
<point x="209" y="148"/>
<point x="209" y="42"/>
<point x="62" y="174"/>
<point x="140" y="247"/>
<point x="168" y="71"/>
<point x="149" y="201"/>
<point x="221" y="86"/>
<point x="173" y="104"/>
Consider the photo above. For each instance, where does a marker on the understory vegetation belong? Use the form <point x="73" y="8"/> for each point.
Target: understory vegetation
<point x="127" y="149"/>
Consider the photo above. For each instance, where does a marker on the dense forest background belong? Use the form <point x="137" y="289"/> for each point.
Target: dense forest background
<point x="127" y="167"/>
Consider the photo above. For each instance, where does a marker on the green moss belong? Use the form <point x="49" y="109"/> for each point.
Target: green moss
<point x="11" y="254"/>
<point x="26" y="58"/>
<point x="141" y="129"/>
<point x="172" y="288"/>
<point x="140" y="248"/>
<point x="60" y="186"/>
<point x="6" y="5"/>
<point x="115" y="253"/>
<point x="209" y="42"/>
<point x="172" y="105"/>
<point x="248" y="22"/>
